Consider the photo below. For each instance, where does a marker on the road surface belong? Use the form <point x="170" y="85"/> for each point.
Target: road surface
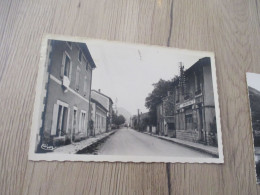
<point x="130" y="142"/>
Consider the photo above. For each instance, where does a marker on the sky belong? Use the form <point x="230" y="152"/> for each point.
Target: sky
<point x="253" y="80"/>
<point x="126" y="72"/>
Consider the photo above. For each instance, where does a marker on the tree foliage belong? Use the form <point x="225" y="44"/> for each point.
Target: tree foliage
<point x="117" y="120"/>
<point x="153" y="99"/>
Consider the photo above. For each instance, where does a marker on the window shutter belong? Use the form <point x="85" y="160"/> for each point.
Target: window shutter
<point x="68" y="119"/>
<point x="63" y="65"/>
<point x="54" y="119"/>
<point x="70" y="69"/>
<point x="77" y="79"/>
<point x="80" y="122"/>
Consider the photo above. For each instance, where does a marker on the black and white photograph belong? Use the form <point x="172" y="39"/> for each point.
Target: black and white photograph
<point x="253" y="82"/>
<point x="99" y="100"/>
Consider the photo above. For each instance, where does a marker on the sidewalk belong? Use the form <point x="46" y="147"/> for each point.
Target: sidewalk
<point x="77" y="146"/>
<point x="196" y="146"/>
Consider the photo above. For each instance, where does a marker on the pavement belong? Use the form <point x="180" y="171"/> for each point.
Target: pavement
<point x="196" y="146"/>
<point x="77" y="146"/>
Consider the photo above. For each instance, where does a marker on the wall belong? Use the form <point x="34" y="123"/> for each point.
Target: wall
<point x="101" y="99"/>
<point x="100" y="124"/>
<point x="79" y="98"/>
<point x="189" y="135"/>
<point x="208" y="86"/>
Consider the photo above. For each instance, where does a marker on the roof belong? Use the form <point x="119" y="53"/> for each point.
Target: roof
<point x="102" y="95"/>
<point x="201" y="62"/>
<point x="98" y="104"/>
<point x="85" y="50"/>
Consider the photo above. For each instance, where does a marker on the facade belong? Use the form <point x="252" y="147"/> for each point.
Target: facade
<point x="66" y="112"/>
<point x="98" y="118"/>
<point x="134" y="122"/>
<point x="195" y="107"/>
<point x="107" y="103"/>
<point x="188" y="111"/>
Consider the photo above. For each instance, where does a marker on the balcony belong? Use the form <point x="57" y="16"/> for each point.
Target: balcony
<point x="65" y="82"/>
<point x="198" y="92"/>
<point x="186" y="97"/>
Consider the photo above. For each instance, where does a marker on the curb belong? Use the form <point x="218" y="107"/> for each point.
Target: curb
<point x="188" y="146"/>
<point x="81" y="151"/>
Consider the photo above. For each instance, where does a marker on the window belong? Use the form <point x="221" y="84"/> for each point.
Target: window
<point x="188" y="121"/>
<point x="82" y="122"/>
<point x="74" y="121"/>
<point x="80" y="55"/>
<point x="66" y="65"/>
<point x="77" y="78"/>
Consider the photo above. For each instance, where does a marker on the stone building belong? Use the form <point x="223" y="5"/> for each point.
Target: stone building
<point x="195" y="118"/>
<point x="188" y="111"/>
<point x="107" y="103"/>
<point x="68" y="87"/>
<point x="98" y="118"/>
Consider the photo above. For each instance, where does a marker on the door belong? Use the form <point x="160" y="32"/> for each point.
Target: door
<point x="62" y="121"/>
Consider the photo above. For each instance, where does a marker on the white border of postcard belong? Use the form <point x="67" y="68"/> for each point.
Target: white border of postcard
<point x="114" y="158"/>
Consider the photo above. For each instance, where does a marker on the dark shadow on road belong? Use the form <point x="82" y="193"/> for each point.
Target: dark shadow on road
<point x="93" y="148"/>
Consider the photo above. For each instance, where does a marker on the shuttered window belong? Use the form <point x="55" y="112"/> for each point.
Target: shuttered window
<point x="66" y="65"/>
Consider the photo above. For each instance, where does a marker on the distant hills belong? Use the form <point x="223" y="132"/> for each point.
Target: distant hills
<point x="125" y="113"/>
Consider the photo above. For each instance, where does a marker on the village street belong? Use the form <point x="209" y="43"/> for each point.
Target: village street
<point x="130" y="142"/>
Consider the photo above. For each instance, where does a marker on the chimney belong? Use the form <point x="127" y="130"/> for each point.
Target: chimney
<point x="99" y="90"/>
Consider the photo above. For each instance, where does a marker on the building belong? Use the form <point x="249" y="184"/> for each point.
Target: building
<point x="134" y="122"/>
<point x="195" y="117"/>
<point x="98" y="118"/>
<point x="141" y="122"/>
<point x="107" y="103"/>
<point x="188" y="111"/>
<point x="68" y="89"/>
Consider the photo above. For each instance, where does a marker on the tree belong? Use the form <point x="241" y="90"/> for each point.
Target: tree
<point x="117" y="120"/>
<point x="120" y="120"/>
<point x="153" y="99"/>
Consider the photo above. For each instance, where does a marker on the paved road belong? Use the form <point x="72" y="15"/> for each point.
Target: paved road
<point x="130" y="142"/>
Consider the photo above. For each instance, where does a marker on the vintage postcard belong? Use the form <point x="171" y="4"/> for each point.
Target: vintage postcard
<point x="100" y="100"/>
<point x="253" y="83"/>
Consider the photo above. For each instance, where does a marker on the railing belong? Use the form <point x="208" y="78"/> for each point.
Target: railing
<point x="198" y="92"/>
<point x="186" y="97"/>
